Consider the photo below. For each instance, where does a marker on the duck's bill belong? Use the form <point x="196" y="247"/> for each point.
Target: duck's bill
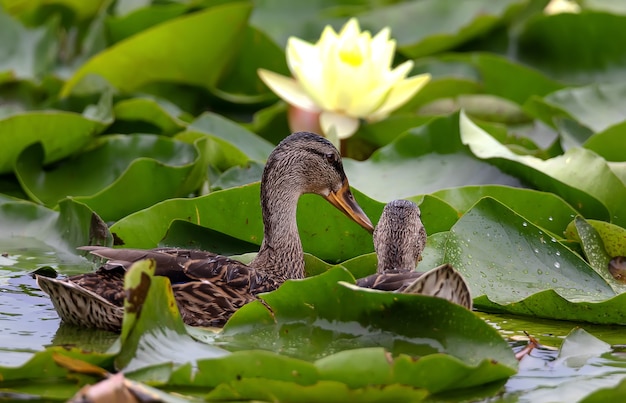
<point x="344" y="201"/>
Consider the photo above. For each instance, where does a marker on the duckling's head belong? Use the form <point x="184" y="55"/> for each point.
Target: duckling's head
<point x="308" y="163"/>
<point x="399" y="237"/>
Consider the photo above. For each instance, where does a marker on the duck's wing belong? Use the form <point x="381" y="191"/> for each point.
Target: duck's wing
<point x="202" y="303"/>
<point x="389" y="280"/>
<point x="81" y="306"/>
<point x="443" y="282"/>
<point x="225" y="272"/>
<point x="170" y="262"/>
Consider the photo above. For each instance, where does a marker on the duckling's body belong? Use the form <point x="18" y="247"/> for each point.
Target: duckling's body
<point x="399" y="240"/>
<point x="208" y="287"/>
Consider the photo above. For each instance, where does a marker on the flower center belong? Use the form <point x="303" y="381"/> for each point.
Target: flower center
<point x="350" y="53"/>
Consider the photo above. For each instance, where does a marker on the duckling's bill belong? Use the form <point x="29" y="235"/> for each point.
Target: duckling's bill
<point x="344" y="201"/>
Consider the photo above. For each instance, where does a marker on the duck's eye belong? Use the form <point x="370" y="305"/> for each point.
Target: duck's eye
<point x="331" y="158"/>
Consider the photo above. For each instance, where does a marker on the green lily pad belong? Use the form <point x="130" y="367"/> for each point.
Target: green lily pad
<point x="419" y="34"/>
<point x="230" y="144"/>
<point x="72" y="226"/>
<point x="153" y="331"/>
<point x="325" y="231"/>
<point x="597" y="106"/>
<point x="309" y="324"/>
<point x="428" y="158"/>
<point x="128" y="22"/>
<point x="612" y="238"/>
<point x="579" y="176"/>
<point x="527" y="260"/>
<point x="44" y="378"/>
<point x="513" y="266"/>
<point x="165" y="117"/>
<point x="594" y="249"/>
<point x="547" y="42"/>
<point x="241" y="83"/>
<point x="154" y="167"/>
<point x="545" y="210"/>
<point x="169" y="52"/>
<point x="609" y="143"/>
<point x="61" y="133"/>
<point x="322" y="391"/>
<point x="152" y="326"/>
<point x="607" y="394"/>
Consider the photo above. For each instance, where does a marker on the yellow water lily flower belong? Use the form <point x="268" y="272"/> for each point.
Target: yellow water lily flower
<point x="345" y="77"/>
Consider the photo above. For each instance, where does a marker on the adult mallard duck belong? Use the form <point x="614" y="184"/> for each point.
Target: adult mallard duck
<point x="399" y="240"/>
<point x="208" y="287"/>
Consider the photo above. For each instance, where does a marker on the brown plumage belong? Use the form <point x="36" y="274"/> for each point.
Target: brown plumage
<point x="399" y="240"/>
<point x="208" y="287"/>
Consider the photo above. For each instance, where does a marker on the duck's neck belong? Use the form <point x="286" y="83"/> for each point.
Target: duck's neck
<point x="281" y="251"/>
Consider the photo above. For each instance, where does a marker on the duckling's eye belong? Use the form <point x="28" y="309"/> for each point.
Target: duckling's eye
<point x="331" y="158"/>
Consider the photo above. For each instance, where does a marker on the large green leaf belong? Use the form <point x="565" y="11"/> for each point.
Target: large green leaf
<point x="579" y="176"/>
<point x="72" y="226"/>
<point x="139" y="169"/>
<point x="548" y="43"/>
<point x="455" y="75"/>
<point x="230" y="141"/>
<point x="61" y="133"/>
<point x="44" y="378"/>
<point x="597" y="106"/>
<point x="420" y="33"/>
<point x="609" y="143"/>
<point x="309" y="324"/>
<point x="163" y="116"/>
<point x="543" y="209"/>
<point x="153" y="331"/>
<point x="426" y="159"/>
<point x="513" y="266"/>
<point x="325" y="231"/>
<point x="413" y="24"/>
<point x="169" y="51"/>
<point x="241" y="83"/>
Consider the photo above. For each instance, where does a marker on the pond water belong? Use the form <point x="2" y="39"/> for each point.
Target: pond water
<point x="29" y="323"/>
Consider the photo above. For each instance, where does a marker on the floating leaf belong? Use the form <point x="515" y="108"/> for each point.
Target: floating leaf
<point x="597" y="106"/>
<point x="547" y="42"/>
<point x="579" y="176"/>
<point x="513" y="266"/>
<point x="61" y="133"/>
<point x="154" y="167"/>
<point x="303" y="321"/>
<point x="153" y="331"/>
<point x="543" y="209"/>
<point x="164" y="117"/>
<point x="426" y="159"/>
<point x="168" y="52"/>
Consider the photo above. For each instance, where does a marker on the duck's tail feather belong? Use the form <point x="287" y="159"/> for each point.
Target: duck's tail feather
<point x="443" y="282"/>
<point x="81" y="307"/>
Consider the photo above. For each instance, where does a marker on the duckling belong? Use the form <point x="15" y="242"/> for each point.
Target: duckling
<point x="399" y="240"/>
<point x="209" y="288"/>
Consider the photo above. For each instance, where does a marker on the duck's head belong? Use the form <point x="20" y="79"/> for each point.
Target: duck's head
<point x="399" y="237"/>
<point x="308" y="163"/>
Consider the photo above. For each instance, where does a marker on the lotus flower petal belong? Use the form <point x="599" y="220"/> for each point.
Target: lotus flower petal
<point x="399" y="95"/>
<point x="344" y="126"/>
<point x="288" y="89"/>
